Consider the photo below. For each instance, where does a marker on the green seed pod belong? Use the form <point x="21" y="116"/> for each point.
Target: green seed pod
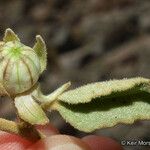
<point x="20" y="65"/>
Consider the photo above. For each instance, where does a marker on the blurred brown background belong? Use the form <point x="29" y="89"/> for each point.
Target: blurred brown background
<point x="87" y="41"/>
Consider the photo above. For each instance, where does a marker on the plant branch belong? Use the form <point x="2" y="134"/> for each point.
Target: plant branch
<point x="23" y="129"/>
<point x="8" y="126"/>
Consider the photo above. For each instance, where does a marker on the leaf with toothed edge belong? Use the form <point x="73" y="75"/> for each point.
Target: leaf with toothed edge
<point x="30" y="111"/>
<point x="40" y="49"/>
<point x="10" y="36"/>
<point x="105" y="104"/>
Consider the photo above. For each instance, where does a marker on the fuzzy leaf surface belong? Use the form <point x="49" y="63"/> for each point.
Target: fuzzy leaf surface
<point x="105" y="104"/>
<point x="40" y="49"/>
<point x="87" y="93"/>
<point x="10" y="36"/>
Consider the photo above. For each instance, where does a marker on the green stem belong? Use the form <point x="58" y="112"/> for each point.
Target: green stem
<point x="8" y="126"/>
<point x="23" y="129"/>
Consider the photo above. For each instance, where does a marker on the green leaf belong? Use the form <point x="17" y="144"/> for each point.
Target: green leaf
<point x="40" y="49"/>
<point x="30" y="111"/>
<point x="105" y="104"/>
<point x="10" y="36"/>
<point x="85" y="94"/>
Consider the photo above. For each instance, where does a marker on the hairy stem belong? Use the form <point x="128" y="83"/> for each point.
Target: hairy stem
<point x="23" y="129"/>
<point x="8" y="126"/>
<point x="29" y="131"/>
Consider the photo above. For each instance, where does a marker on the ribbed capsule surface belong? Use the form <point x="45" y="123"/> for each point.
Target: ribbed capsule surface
<point x="19" y="67"/>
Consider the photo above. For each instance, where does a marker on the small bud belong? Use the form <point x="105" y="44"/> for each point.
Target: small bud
<point x="20" y="65"/>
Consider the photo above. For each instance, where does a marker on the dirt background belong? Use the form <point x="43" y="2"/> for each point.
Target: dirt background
<point x="87" y="41"/>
